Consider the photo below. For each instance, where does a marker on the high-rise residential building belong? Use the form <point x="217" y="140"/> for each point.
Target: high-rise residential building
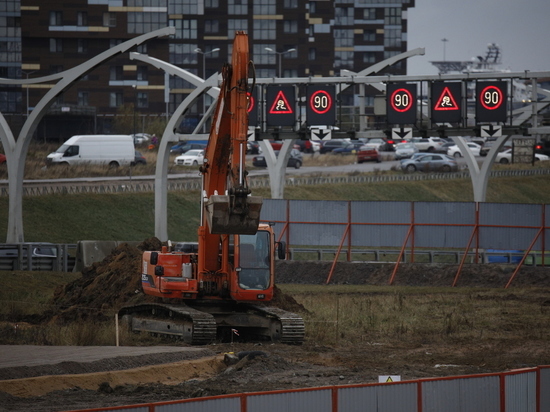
<point x="288" y="38"/>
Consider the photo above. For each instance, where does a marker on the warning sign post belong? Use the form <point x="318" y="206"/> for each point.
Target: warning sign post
<point x="446" y="102"/>
<point x="280" y="106"/>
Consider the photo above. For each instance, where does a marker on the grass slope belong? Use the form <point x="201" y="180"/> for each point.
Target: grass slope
<point x="130" y="216"/>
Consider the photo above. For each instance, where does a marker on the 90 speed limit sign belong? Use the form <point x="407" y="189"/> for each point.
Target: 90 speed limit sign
<point x="491" y="100"/>
<point x="320" y="109"/>
<point x="401" y="103"/>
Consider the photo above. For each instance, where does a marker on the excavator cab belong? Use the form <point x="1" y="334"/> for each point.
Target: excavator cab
<point x="254" y="261"/>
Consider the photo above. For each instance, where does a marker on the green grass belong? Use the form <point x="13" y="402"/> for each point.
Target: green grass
<point x="130" y="216"/>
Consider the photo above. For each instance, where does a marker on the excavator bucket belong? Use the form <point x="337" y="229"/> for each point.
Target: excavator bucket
<point x="233" y="215"/>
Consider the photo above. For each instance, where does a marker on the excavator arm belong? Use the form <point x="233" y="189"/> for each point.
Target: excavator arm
<point x="227" y="204"/>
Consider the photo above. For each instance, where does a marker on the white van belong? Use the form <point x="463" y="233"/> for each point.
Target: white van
<point x="114" y="150"/>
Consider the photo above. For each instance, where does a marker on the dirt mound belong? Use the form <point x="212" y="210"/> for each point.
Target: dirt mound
<point x="104" y="286"/>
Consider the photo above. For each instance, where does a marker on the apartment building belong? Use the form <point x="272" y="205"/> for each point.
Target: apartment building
<point x="288" y="38"/>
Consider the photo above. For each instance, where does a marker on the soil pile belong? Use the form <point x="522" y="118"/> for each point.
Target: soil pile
<point x="104" y="286"/>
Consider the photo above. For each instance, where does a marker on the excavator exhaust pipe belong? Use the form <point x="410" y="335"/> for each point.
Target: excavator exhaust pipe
<point x="230" y="214"/>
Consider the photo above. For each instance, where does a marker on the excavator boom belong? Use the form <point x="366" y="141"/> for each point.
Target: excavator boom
<point x="228" y="206"/>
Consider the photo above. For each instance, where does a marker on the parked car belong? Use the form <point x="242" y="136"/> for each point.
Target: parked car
<point x="330" y="145"/>
<point x="141" y="138"/>
<point x="351" y="148"/>
<point x="380" y="144"/>
<point x="295" y="160"/>
<point x="391" y="144"/>
<point x="488" y="145"/>
<point x="278" y="144"/>
<point x="309" y="146"/>
<point x="2" y="158"/>
<point x="432" y="162"/>
<point x="253" y="147"/>
<point x="183" y="147"/>
<point x="543" y="147"/>
<point x="427" y="144"/>
<point x="454" y="151"/>
<point x="405" y="150"/>
<point x="505" y="157"/>
<point x="444" y="147"/>
<point x="190" y="158"/>
<point x="368" y="152"/>
<point x="140" y="160"/>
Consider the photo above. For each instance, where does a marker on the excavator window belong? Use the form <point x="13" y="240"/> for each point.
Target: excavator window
<point x="254" y="252"/>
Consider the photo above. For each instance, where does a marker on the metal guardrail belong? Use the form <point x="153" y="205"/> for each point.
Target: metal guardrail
<point x="422" y="256"/>
<point x="195" y="184"/>
<point x="37" y="256"/>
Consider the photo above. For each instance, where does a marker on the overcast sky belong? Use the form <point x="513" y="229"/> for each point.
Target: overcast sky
<point x="520" y="27"/>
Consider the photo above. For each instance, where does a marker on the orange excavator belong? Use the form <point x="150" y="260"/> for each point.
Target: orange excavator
<point x="220" y="287"/>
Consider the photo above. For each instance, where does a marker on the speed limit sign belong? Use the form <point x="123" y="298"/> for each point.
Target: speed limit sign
<point x="491" y="101"/>
<point x="321" y="109"/>
<point x="401" y="103"/>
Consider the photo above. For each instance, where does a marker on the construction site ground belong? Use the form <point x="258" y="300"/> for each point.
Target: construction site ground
<point x="54" y="378"/>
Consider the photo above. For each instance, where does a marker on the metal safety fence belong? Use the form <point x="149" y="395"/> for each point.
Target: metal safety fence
<point x="524" y="390"/>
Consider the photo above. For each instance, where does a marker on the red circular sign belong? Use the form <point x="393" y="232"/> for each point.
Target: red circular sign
<point x="491" y="97"/>
<point x="251" y="101"/>
<point x="320" y="101"/>
<point x="401" y="100"/>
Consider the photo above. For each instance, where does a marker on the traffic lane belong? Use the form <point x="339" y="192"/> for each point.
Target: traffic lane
<point x="34" y="355"/>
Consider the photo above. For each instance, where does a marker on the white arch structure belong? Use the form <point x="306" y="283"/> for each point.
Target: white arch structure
<point x="16" y="151"/>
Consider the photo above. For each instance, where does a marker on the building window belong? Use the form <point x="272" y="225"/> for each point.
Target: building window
<point x="234" y="25"/>
<point x="392" y="16"/>
<point x="142" y="48"/>
<point x="182" y="53"/>
<point x="116" y="73"/>
<point x="185" y="29"/>
<point x="212" y="4"/>
<point x="114" y="42"/>
<point x="312" y="54"/>
<point x="264" y="7"/>
<point x="56" y="18"/>
<point x="392" y="38"/>
<point x="184" y="7"/>
<point x="291" y="4"/>
<point x="290" y="26"/>
<point x="142" y="74"/>
<point x="262" y="56"/>
<point x="82" y="99"/>
<point x="9" y="101"/>
<point x="115" y="99"/>
<point x="10" y="51"/>
<point x="237" y="7"/>
<point x="144" y="22"/>
<point x="369" y="35"/>
<point x="369" y="57"/>
<point x="343" y="59"/>
<point x="82" y="46"/>
<point x="343" y="16"/>
<point x="56" y="68"/>
<point x="343" y="38"/>
<point x="211" y="26"/>
<point x="369" y="14"/>
<point x="142" y="100"/>
<point x="82" y="18"/>
<point x="56" y="45"/>
<point x="109" y="19"/>
<point x="264" y="30"/>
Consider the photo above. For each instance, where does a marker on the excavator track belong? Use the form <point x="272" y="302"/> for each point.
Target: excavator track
<point x="203" y="325"/>
<point x="292" y="325"/>
<point x="193" y="326"/>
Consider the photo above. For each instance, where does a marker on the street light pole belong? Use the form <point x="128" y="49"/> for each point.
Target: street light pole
<point x="27" y="74"/>
<point x="280" y="55"/>
<point x="199" y="51"/>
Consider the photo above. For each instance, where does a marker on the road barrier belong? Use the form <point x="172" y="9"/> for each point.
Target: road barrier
<point x="523" y="390"/>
